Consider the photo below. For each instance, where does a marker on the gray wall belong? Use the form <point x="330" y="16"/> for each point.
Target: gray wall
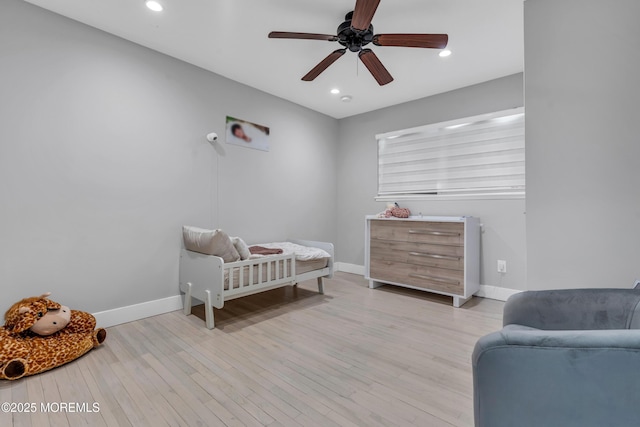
<point x="582" y="90"/>
<point x="503" y="220"/>
<point x="103" y="158"/>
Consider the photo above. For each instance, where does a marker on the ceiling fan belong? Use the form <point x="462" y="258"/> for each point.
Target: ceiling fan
<point x="355" y="33"/>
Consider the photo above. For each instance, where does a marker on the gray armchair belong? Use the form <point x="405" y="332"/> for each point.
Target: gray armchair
<point x="564" y="358"/>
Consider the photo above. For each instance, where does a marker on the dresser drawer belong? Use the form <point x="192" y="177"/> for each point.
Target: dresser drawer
<point x="442" y="233"/>
<point x="444" y="256"/>
<point x="432" y="278"/>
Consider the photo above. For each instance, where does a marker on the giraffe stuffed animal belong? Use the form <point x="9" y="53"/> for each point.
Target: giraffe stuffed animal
<point x="40" y="334"/>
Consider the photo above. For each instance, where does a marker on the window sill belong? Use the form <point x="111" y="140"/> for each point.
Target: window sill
<point x="447" y="197"/>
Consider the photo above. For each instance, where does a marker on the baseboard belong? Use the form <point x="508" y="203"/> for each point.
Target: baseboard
<point x="349" y="268"/>
<point x="130" y="313"/>
<point x="495" y="292"/>
<point x="486" y="291"/>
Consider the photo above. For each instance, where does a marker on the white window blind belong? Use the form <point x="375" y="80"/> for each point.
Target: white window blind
<point x="480" y="155"/>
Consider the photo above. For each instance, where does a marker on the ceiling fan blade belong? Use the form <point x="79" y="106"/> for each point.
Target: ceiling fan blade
<point x="363" y="14"/>
<point x="305" y="36"/>
<point x="375" y="67"/>
<point x="434" y="41"/>
<point x="323" y="65"/>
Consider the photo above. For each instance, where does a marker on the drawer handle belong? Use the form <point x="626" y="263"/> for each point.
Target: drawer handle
<point x="434" y="279"/>
<point x="453" y="258"/>
<point x="435" y="233"/>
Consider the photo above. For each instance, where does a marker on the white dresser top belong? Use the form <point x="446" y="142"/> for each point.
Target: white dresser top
<point x="422" y="218"/>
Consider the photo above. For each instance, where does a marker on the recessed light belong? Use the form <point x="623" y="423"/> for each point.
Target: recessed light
<point x="154" y="5"/>
<point x="346" y="98"/>
<point x="445" y="53"/>
<point x="335" y="91"/>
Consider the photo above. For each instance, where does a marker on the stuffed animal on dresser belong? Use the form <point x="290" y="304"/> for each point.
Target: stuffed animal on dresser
<point x="394" y="210"/>
<point x="40" y="334"/>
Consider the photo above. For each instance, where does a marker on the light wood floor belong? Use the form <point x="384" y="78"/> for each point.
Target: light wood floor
<point x="288" y="357"/>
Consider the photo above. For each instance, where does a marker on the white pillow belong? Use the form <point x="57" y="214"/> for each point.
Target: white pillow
<point x="241" y="247"/>
<point x="209" y="242"/>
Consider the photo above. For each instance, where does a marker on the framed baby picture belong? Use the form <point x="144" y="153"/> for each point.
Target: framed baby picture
<point x="247" y="134"/>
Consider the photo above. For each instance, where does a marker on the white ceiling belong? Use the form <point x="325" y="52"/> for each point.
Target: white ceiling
<point x="229" y="37"/>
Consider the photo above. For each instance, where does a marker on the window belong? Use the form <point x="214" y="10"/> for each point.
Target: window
<point x="480" y="156"/>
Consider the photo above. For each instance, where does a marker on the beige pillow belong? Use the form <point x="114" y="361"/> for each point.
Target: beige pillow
<point x="209" y="242"/>
<point x="241" y="247"/>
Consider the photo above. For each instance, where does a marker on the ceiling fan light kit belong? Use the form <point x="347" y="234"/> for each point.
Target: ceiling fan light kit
<point x="355" y="33"/>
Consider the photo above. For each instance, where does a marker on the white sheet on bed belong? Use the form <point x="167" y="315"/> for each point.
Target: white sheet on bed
<point x="303" y="253"/>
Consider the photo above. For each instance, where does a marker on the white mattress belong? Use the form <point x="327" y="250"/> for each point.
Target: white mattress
<point x="303" y="253"/>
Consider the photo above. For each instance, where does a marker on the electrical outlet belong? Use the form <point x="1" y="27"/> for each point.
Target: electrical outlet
<point x="502" y="266"/>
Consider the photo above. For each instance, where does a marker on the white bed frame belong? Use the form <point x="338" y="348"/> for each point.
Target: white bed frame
<point x="203" y="277"/>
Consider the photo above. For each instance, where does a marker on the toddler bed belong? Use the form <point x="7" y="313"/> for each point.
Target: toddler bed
<point x="209" y="271"/>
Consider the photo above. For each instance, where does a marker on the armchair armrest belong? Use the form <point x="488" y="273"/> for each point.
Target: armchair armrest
<point x="514" y="336"/>
<point x="575" y="309"/>
<point x="526" y="377"/>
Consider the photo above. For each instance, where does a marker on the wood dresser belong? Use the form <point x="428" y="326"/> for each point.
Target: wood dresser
<point x="435" y="254"/>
